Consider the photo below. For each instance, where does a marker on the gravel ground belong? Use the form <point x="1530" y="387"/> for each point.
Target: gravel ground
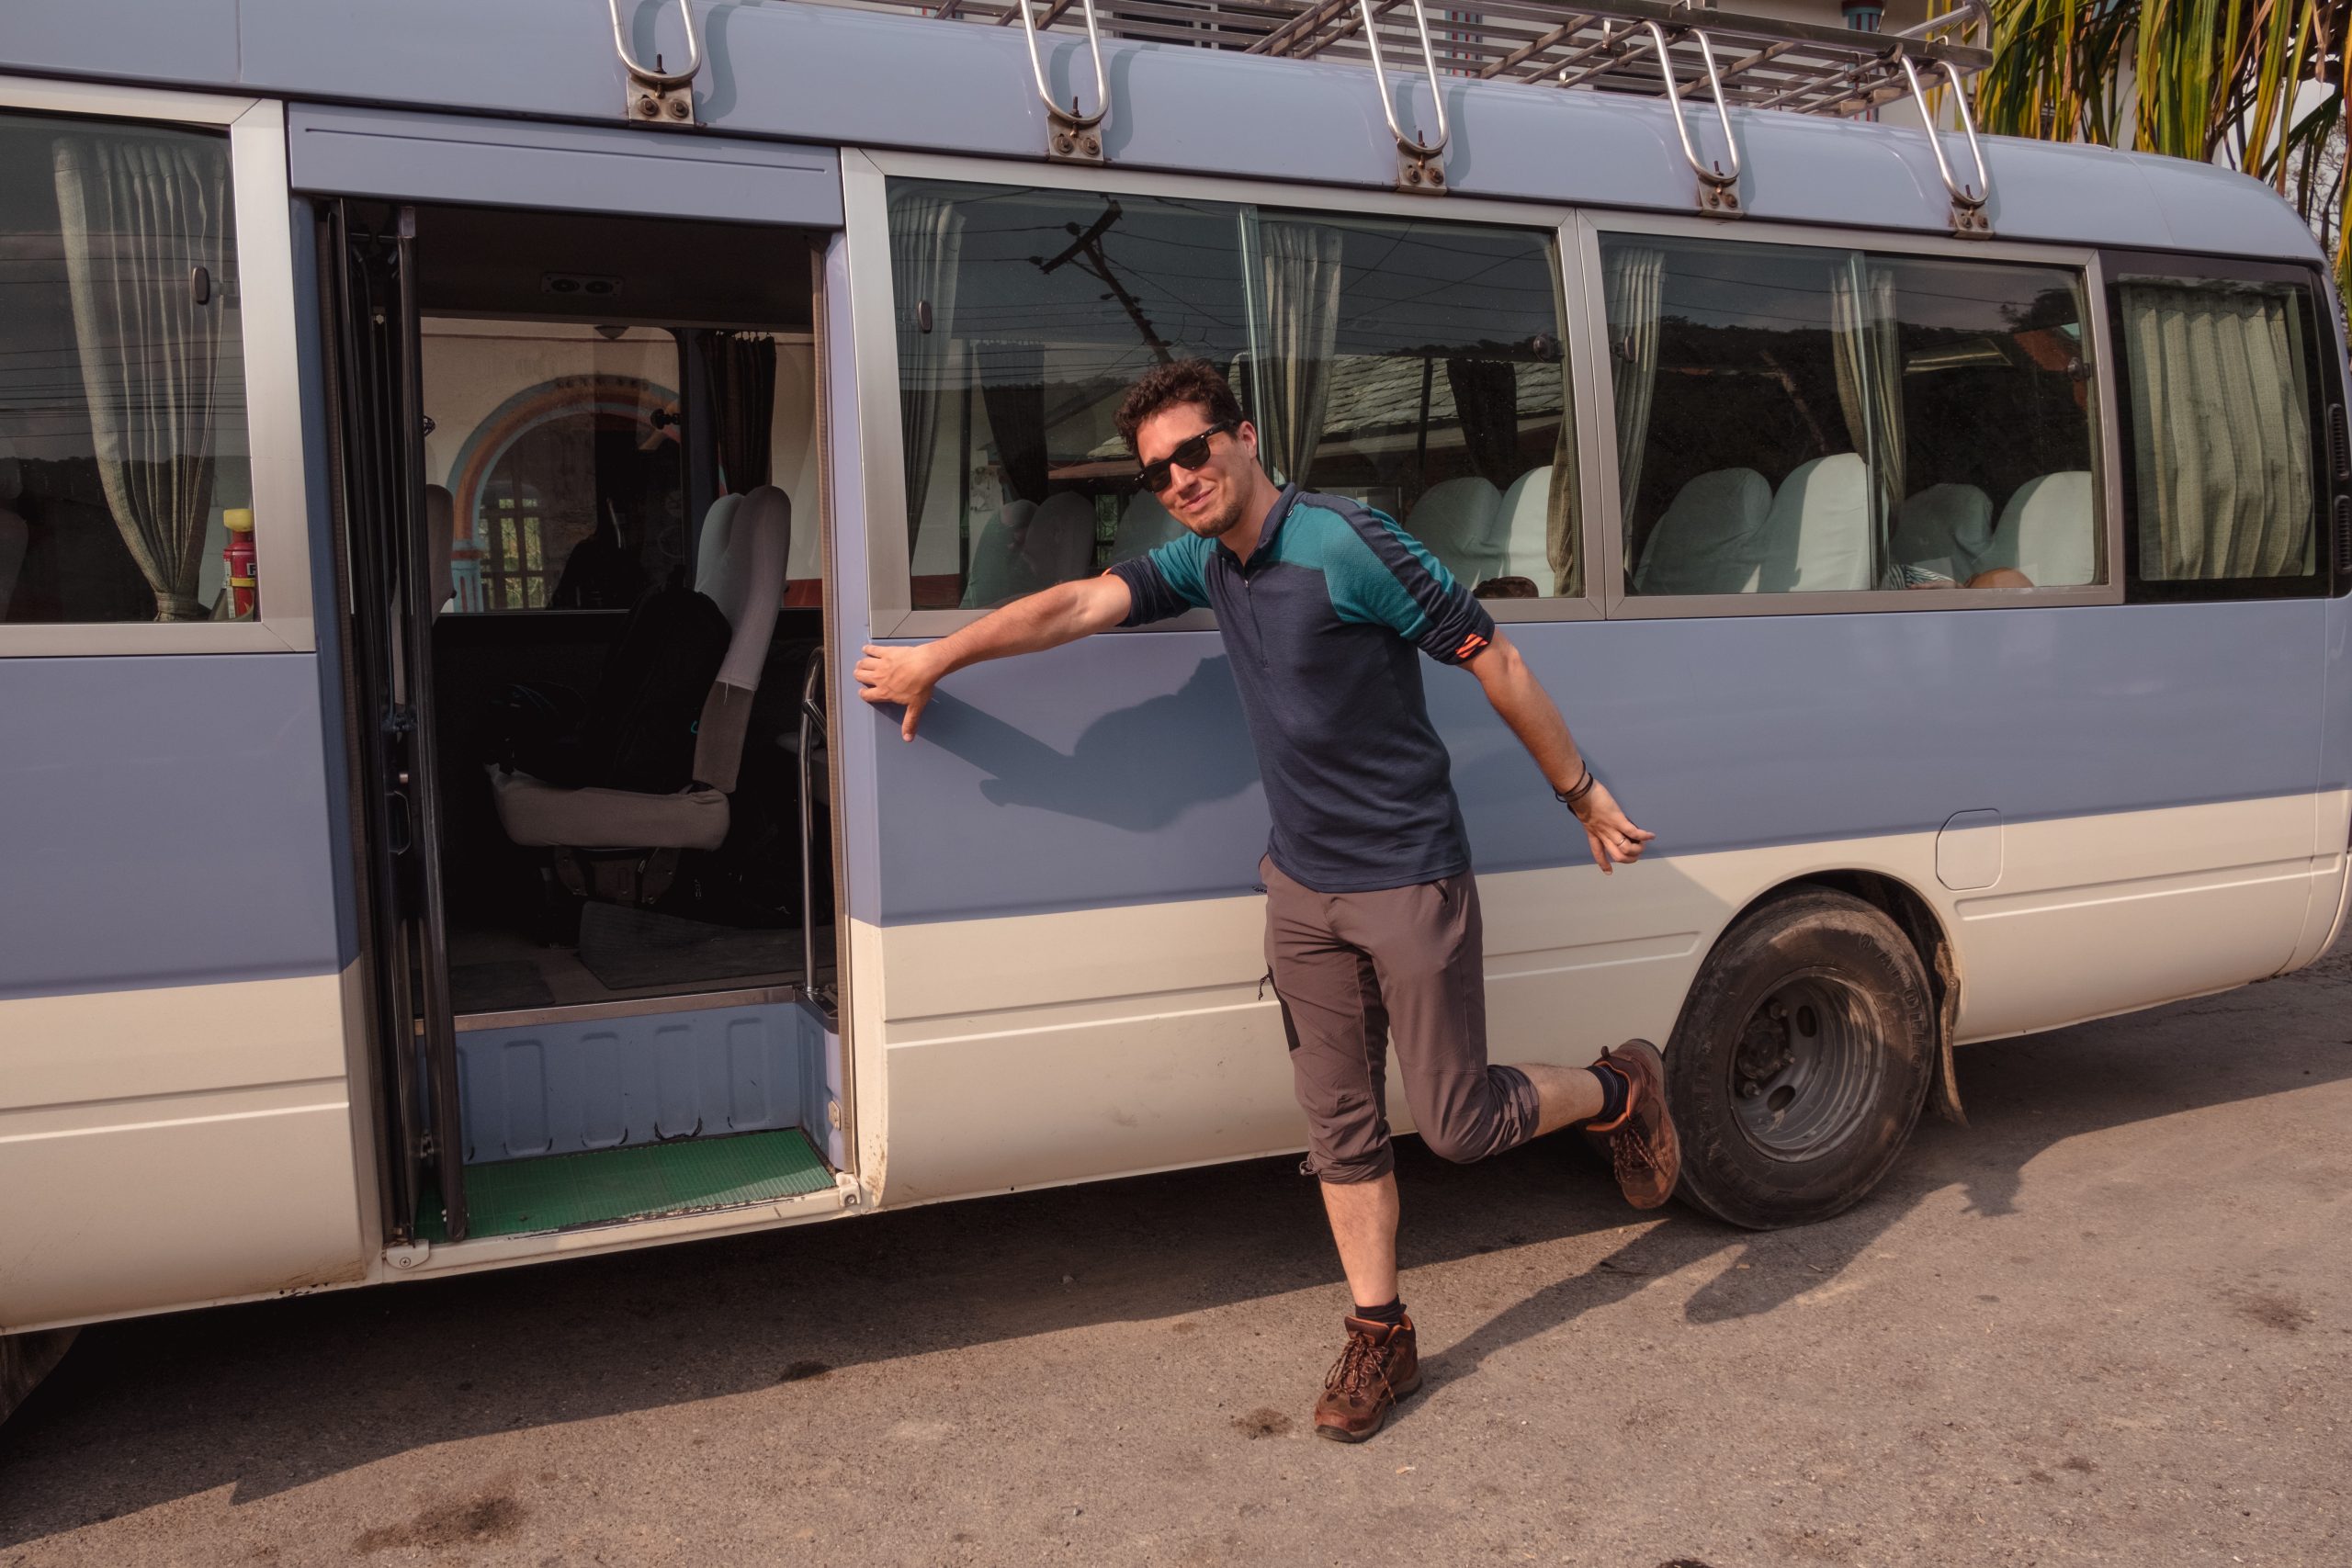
<point x="2110" y="1322"/>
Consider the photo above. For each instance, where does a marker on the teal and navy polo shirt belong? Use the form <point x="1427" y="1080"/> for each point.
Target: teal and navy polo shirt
<point x="1322" y="623"/>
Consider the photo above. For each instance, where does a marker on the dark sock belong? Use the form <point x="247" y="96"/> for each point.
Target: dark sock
<point x="1392" y="1315"/>
<point x="1613" y="1089"/>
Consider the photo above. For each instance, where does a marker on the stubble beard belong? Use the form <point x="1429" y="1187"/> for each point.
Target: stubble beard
<point x="1219" y="524"/>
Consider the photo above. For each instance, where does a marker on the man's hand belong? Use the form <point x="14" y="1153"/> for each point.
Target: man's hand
<point x="1615" y="840"/>
<point x="902" y="675"/>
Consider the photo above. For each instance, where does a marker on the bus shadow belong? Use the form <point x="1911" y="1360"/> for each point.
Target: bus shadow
<point x="270" y="1396"/>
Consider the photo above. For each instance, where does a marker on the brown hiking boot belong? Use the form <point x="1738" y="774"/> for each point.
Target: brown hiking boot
<point x="1643" y="1148"/>
<point x="1380" y="1366"/>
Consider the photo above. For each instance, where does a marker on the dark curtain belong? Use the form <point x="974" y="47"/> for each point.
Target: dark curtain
<point x="1485" y="396"/>
<point x="1012" y="386"/>
<point x="742" y="396"/>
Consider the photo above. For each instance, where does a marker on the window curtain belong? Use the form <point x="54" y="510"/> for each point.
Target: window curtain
<point x="1867" y="347"/>
<point x="1486" y="397"/>
<point x="926" y="245"/>
<point x="1634" y="282"/>
<point x="136" y="218"/>
<point x="1299" y="271"/>
<point x="2220" y="431"/>
<point x="1560" y="514"/>
<point x="1012" y="387"/>
<point x="742" y="391"/>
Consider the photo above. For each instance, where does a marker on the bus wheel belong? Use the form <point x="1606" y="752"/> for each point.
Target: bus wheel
<point x="1801" y="1061"/>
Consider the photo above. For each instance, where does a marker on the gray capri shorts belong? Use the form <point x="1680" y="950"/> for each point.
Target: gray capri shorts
<point x="1354" y="969"/>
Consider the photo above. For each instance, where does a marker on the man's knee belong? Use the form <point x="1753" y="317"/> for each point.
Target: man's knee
<point x="1463" y="1144"/>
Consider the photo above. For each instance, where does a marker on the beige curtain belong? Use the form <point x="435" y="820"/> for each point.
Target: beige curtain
<point x="1634" y="282"/>
<point x="926" y="245"/>
<point x="1299" y="271"/>
<point x="1560" y="515"/>
<point x="1868" y="348"/>
<point x="137" y="217"/>
<point x="2220" y="431"/>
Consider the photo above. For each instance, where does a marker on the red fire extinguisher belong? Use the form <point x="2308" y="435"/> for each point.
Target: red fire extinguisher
<point x="244" y="595"/>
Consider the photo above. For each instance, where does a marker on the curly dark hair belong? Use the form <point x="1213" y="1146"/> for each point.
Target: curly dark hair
<point x="1186" y="381"/>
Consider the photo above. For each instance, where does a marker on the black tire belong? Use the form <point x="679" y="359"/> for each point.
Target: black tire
<point x="1801" y="1058"/>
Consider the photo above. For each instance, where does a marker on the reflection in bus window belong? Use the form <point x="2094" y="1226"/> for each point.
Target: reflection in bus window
<point x="126" y="493"/>
<point x="1798" y="420"/>
<point x="1414" y="366"/>
<point x="2220" y="385"/>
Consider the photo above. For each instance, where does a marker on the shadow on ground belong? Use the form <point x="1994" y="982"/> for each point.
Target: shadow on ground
<point x="269" y="1397"/>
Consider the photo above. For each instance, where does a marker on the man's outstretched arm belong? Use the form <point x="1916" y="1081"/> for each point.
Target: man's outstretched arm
<point x="1515" y="695"/>
<point x="1061" y="614"/>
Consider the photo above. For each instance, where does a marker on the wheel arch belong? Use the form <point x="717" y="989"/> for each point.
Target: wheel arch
<point x="1916" y="918"/>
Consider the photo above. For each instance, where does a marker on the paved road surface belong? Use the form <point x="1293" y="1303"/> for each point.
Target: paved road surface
<point x="2110" y="1322"/>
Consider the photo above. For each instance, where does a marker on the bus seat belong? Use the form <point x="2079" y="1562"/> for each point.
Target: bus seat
<point x="1144" y="526"/>
<point x="1455" y="519"/>
<point x="745" y="581"/>
<point x="2049" y="531"/>
<point x="998" y="571"/>
<point x="14" y="534"/>
<point x="712" y="542"/>
<point x="1059" y="544"/>
<point x="1524" y="525"/>
<point x="1710" y="537"/>
<point x="1818" y="536"/>
<point x="1944" y="528"/>
<point x="440" y="535"/>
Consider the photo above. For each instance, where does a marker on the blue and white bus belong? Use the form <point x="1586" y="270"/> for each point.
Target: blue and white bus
<point x="452" y="454"/>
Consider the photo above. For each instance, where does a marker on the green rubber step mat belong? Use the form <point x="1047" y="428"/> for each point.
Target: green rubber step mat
<point x="515" y="1197"/>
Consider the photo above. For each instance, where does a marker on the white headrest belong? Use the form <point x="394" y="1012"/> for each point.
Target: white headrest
<point x="713" y="543"/>
<point x="2049" y="531"/>
<point x="1144" y="526"/>
<point x="1711" y="536"/>
<point x="748" y="582"/>
<point x="1060" y="539"/>
<point x="1454" y="519"/>
<point x="1946" y="528"/>
<point x="12" y="473"/>
<point x="1525" y="521"/>
<point x="1818" y="536"/>
<point x="440" y="532"/>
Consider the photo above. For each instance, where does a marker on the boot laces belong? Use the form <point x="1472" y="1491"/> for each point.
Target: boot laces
<point x="1362" y="1364"/>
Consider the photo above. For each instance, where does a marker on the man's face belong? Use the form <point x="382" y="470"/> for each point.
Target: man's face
<point x="1207" y="500"/>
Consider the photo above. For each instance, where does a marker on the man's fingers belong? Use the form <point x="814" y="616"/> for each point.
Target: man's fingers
<point x="915" y="712"/>
<point x="873" y="695"/>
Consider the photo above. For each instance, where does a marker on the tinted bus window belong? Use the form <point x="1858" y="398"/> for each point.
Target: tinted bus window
<point x="125" y="489"/>
<point x="2220" y="385"/>
<point x="1798" y="420"/>
<point x="1413" y="367"/>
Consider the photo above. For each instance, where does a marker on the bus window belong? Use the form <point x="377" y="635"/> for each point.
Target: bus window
<point x="2219" y="387"/>
<point x="125" y="488"/>
<point x="1792" y="419"/>
<point x="1414" y="366"/>
<point x="1425" y="358"/>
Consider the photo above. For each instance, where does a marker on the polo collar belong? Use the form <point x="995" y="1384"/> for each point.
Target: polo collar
<point x="1276" y="515"/>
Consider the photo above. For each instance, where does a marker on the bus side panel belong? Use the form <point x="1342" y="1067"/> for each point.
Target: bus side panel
<point x="174" y="1118"/>
<point x="1070" y="936"/>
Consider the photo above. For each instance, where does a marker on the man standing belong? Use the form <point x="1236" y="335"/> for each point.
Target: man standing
<point x="1372" y="914"/>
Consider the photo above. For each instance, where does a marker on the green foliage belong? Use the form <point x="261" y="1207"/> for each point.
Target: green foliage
<point x="2258" y="85"/>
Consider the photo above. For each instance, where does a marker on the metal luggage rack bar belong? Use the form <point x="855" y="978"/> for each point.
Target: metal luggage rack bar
<point x="1646" y="48"/>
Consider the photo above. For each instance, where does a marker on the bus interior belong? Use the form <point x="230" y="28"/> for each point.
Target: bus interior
<point x="608" y="851"/>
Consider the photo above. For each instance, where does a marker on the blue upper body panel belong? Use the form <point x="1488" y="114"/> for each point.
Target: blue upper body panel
<point x="1119" y="771"/>
<point x="835" y="76"/>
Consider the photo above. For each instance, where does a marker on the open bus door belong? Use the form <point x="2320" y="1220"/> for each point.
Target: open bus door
<point x="379" y="434"/>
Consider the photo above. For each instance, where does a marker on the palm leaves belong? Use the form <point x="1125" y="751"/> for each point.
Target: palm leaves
<point x="2255" y="83"/>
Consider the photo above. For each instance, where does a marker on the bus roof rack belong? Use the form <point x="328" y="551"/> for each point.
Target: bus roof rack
<point x="1641" y="47"/>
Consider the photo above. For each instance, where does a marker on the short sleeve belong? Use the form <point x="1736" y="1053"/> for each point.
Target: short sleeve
<point x="1384" y="576"/>
<point x="1169" y="581"/>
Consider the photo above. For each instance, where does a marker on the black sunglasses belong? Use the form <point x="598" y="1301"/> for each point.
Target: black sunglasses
<point x="1192" y="453"/>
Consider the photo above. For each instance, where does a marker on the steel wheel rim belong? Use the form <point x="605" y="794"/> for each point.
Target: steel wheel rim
<point x="1806" y="1068"/>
